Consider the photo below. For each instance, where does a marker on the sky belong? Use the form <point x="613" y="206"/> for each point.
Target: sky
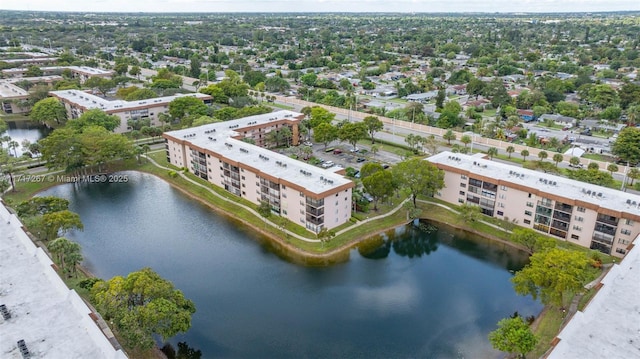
<point x="405" y="6"/>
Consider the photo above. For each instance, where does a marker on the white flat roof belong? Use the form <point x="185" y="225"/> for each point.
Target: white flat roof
<point x="312" y="178"/>
<point x="9" y="90"/>
<point x="555" y="185"/>
<point x="90" y="101"/>
<point x="53" y="321"/>
<point x="609" y="327"/>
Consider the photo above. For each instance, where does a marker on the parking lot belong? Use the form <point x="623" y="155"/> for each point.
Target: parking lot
<point x="342" y="155"/>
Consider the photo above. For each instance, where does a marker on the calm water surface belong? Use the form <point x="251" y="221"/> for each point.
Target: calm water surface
<point x="24" y="130"/>
<point x="412" y="295"/>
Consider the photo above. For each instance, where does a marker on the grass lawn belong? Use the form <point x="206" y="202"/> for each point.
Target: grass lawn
<point x="547" y="329"/>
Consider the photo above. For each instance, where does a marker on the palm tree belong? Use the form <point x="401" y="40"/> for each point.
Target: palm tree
<point x="510" y="150"/>
<point x="466" y="139"/>
<point x="542" y="155"/>
<point x="524" y="154"/>
<point x="557" y="158"/>
<point x="449" y="136"/>
<point x="492" y="152"/>
<point x="374" y="149"/>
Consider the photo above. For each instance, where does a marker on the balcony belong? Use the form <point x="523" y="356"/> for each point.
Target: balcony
<point x="563" y="207"/>
<point x="562" y="216"/>
<point x="602" y="238"/>
<point x="315" y="220"/>
<point x="315" y="202"/>
<point x="607" y="219"/>
<point x="560" y="225"/>
<point x="315" y="211"/>
<point x="602" y="228"/>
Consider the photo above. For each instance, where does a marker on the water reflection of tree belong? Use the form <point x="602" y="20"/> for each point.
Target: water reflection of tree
<point x="184" y="351"/>
<point x="414" y="242"/>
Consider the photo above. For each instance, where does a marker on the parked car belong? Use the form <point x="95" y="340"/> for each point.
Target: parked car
<point x="354" y="149"/>
<point x="337" y="151"/>
<point x="360" y="159"/>
<point x="327" y="164"/>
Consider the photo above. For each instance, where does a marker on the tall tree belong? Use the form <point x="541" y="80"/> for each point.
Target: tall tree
<point x="418" y="177"/>
<point x="627" y="146"/>
<point x="380" y="185"/>
<point x="325" y="133"/>
<point x="60" y="222"/>
<point x="513" y="336"/>
<point x="352" y="132"/>
<point x="49" y="111"/>
<point x="551" y="275"/>
<point x="142" y="305"/>
<point x="373" y="125"/>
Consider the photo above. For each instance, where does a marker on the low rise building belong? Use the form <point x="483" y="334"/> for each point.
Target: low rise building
<point x="591" y="216"/>
<point x="77" y="102"/>
<point x="39" y="316"/>
<point x="309" y="196"/>
<point x="13" y="98"/>
<point x="80" y="72"/>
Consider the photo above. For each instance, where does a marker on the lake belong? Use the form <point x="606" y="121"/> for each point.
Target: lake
<point x="408" y="294"/>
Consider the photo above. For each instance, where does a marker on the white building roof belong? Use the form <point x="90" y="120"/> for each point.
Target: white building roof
<point x="90" y="101"/>
<point x="217" y="138"/>
<point x="609" y="327"/>
<point x="52" y="320"/>
<point x="555" y="185"/>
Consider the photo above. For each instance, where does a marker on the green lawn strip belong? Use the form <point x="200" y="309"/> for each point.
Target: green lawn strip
<point x="586" y="298"/>
<point x="281" y="106"/>
<point x="547" y="329"/>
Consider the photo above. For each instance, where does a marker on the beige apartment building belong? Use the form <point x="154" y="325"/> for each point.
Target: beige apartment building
<point x="592" y="216"/>
<point x="312" y="197"/>
<point x="77" y="102"/>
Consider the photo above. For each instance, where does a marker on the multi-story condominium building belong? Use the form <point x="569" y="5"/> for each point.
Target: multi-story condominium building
<point x="13" y="98"/>
<point x="592" y="216"/>
<point x="219" y="153"/>
<point x="80" y="72"/>
<point x="77" y="102"/>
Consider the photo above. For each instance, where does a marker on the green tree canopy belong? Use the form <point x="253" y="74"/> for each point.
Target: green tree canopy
<point x="142" y="305"/>
<point x="551" y="275"/>
<point x="49" y="111"/>
<point x="627" y="146"/>
<point x="418" y="177"/>
<point x="352" y="132"/>
<point x="325" y="133"/>
<point x="380" y="185"/>
<point x="41" y="205"/>
<point x="513" y="336"/>
<point x="373" y="125"/>
<point x="94" y="117"/>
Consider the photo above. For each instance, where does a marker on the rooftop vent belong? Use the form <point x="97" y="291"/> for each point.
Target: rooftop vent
<point x="5" y="312"/>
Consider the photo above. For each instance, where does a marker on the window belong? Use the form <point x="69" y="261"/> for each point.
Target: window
<point x="301" y="194"/>
<point x="504" y="188"/>
<point x="463" y="177"/>
<point x="580" y="209"/>
<point x="577" y="228"/>
<point x="243" y="185"/>
<point x="573" y="236"/>
<point x="462" y="193"/>
<point x="527" y="213"/>
<point x="243" y="193"/>
<point x="500" y="204"/>
<point x="526" y="221"/>
<point x="463" y="185"/>
<point x="621" y="250"/>
<point x="242" y="178"/>
<point x="284" y="195"/>
<point x="626" y="232"/>
<point x="623" y="241"/>
<point x="579" y="219"/>
<point x="284" y="211"/>
<point x="502" y="196"/>
<point x="460" y="200"/>
<point x="629" y="222"/>
<point x="283" y="187"/>
<point x="500" y="213"/>
<point x="529" y="195"/>
<point x="530" y="204"/>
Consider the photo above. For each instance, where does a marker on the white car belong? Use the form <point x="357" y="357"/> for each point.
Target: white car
<point x="327" y="164"/>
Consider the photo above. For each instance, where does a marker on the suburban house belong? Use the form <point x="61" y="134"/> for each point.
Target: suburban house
<point x="307" y="195"/>
<point x="526" y="115"/>
<point x="591" y="216"/>
<point x="564" y="121"/>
